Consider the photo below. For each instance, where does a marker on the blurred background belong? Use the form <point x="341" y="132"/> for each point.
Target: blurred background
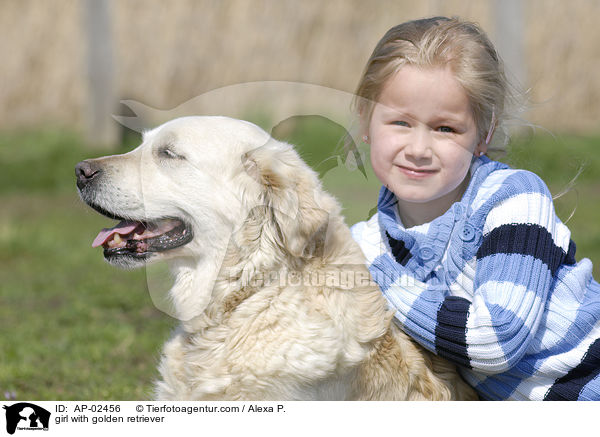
<point x="74" y="328"/>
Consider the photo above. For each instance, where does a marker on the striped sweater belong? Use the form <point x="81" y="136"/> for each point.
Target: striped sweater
<point x="493" y="285"/>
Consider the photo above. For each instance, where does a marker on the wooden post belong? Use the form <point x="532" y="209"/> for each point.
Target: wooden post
<point x="102" y="131"/>
<point x="510" y="36"/>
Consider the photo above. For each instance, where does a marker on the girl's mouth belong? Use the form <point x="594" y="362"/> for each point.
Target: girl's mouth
<point x="416" y="173"/>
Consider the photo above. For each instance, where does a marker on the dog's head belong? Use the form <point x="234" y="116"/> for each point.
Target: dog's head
<point x="196" y="180"/>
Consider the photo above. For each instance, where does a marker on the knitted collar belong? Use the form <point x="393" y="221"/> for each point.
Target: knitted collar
<point x="421" y="248"/>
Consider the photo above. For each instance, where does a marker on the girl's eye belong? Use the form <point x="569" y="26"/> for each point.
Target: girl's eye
<point x="400" y="123"/>
<point x="446" y="129"/>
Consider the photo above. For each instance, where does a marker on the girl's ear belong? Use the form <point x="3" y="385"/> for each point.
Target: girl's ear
<point x="364" y="132"/>
<point x="481" y="149"/>
<point x="363" y="124"/>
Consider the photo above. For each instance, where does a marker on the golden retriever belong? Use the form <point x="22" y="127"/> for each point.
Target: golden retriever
<point x="273" y="295"/>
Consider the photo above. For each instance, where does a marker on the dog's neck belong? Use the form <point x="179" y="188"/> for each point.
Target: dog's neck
<point x="191" y="292"/>
<point x="208" y="289"/>
<point x="249" y="260"/>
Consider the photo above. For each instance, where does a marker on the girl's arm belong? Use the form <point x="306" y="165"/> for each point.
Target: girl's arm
<point x="523" y="245"/>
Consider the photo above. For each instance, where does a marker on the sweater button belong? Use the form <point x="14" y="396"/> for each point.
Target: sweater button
<point x="426" y="253"/>
<point x="468" y="232"/>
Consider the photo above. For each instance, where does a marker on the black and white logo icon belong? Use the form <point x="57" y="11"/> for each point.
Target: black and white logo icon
<point x="26" y="416"/>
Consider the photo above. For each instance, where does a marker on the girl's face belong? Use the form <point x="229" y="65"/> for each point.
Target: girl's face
<point x="423" y="137"/>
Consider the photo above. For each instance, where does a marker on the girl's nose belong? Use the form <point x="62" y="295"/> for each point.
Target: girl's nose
<point x="419" y="146"/>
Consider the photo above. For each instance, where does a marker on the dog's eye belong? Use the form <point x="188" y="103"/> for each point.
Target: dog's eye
<point x="167" y="153"/>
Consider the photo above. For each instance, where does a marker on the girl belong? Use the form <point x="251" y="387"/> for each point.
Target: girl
<point x="469" y="252"/>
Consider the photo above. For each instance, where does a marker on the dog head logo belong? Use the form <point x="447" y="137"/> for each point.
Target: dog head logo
<point x="26" y="416"/>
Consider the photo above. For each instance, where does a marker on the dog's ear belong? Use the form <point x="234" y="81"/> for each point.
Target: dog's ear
<point x="292" y="193"/>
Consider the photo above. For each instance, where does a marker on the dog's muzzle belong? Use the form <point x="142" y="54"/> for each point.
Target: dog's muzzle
<point x="133" y="239"/>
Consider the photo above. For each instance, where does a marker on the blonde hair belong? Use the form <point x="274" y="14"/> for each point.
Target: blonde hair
<point x="441" y="42"/>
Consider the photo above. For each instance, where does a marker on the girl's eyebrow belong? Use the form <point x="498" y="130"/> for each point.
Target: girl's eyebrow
<point x="448" y="117"/>
<point x="451" y="118"/>
<point x="389" y="111"/>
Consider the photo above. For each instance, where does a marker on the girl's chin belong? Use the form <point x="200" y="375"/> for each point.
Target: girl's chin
<point x="412" y="197"/>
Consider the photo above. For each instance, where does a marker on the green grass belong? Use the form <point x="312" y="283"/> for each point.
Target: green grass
<point x="72" y="326"/>
<point x="75" y="328"/>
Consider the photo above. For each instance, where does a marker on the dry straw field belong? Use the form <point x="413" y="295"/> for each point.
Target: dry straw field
<point x="165" y="53"/>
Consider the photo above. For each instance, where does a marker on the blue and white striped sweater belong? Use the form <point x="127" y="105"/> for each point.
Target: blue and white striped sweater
<point x="493" y="286"/>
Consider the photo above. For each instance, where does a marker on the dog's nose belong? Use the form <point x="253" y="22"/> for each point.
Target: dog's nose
<point x="85" y="172"/>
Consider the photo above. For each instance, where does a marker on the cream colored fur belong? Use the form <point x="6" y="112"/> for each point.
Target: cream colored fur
<point x="273" y="295"/>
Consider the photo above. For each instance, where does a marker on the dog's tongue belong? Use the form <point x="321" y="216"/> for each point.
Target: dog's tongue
<point x="123" y="228"/>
